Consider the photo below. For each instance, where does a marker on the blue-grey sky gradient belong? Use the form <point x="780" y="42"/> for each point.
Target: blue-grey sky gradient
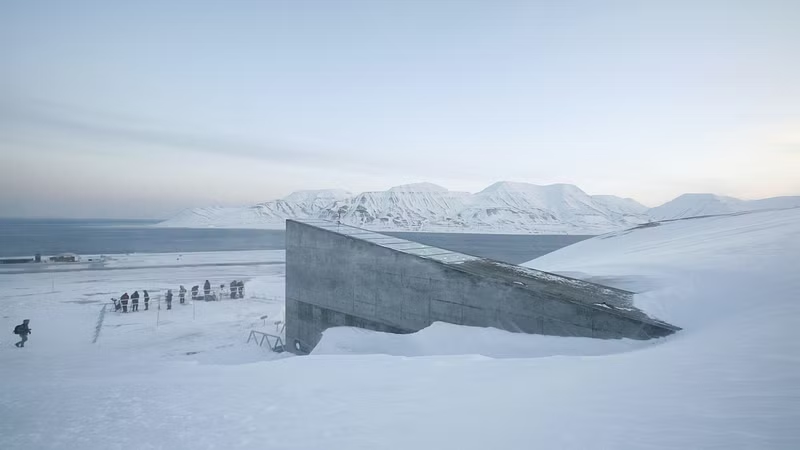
<point x="140" y="109"/>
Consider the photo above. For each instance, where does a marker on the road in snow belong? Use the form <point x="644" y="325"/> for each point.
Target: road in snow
<point x="730" y="379"/>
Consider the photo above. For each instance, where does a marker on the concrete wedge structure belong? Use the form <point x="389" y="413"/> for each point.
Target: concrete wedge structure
<point x="337" y="275"/>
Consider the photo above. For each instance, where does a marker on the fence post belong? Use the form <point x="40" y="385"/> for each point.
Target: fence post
<point x="158" y="311"/>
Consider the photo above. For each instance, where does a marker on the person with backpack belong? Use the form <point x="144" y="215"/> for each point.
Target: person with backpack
<point x="146" y="301"/>
<point x="182" y="294"/>
<point x="169" y="298"/>
<point x="135" y="301"/>
<point x="124" y="301"/>
<point x="23" y="330"/>
<point x="195" y="289"/>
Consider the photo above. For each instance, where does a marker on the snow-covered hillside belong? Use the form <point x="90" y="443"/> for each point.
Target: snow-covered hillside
<point x="187" y="378"/>
<point x="313" y="200"/>
<point x="218" y="216"/>
<point x="268" y="215"/>
<point x="504" y="207"/>
<point x="557" y="208"/>
<point x="696" y="270"/>
<point x="623" y="206"/>
<point x="695" y="205"/>
<point x="408" y="207"/>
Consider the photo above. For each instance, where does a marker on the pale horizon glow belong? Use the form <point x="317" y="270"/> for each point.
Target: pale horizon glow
<point x="142" y="109"/>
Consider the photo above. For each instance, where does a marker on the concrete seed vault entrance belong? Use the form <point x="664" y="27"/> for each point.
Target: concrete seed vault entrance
<point x="337" y="275"/>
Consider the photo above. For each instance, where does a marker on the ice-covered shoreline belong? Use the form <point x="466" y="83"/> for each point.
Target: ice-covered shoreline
<point x="115" y="261"/>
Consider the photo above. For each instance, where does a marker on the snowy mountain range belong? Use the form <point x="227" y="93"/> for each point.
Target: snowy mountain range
<point x="695" y="205"/>
<point x="503" y="207"/>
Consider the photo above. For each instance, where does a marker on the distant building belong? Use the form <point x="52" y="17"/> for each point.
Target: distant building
<point x="65" y="257"/>
<point x="15" y="260"/>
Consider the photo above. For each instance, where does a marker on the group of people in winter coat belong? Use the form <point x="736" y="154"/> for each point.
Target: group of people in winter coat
<point x="134" y="302"/>
<point x="237" y="291"/>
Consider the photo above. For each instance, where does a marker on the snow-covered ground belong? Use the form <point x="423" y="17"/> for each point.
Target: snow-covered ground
<point x="730" y="379"/>
<point x="442" y="339"/>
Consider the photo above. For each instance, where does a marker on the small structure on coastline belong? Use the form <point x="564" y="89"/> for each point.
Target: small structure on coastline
<point x="37" y="259"/>
<point x="65" y="257"/>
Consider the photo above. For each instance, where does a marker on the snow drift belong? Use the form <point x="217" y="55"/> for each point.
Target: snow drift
<point x="693" y="271"/>
<point x="447" y="339"/>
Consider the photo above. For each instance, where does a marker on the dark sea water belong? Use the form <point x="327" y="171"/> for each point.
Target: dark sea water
<point x="25" y="237"/>
<point x="511" y="248"/>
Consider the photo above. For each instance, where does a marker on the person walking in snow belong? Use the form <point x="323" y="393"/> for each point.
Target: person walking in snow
<point x="169" y="298"/>
<point x="195" y="290"/>
<point x="240" y="287"/>
<point x="206" y="290"/>
<point x="146" y="301"/>
<point x="135" y="301"/>
<point x="124" y="301"/>
<point x="182" y="294"/>
<point x="23" y="330"/>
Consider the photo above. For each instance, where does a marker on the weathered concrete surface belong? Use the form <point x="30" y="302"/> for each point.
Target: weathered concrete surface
<point x="338" y="275"/>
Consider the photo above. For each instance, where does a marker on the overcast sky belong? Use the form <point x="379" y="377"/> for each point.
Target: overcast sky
<point x="142" y="108"/>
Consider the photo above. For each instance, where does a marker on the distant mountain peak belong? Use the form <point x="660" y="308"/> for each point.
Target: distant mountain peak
<point x="510" y="186"/>
<point x="698" y="196"/>
<point x="696" y="204"/>
<point x="621" y="205"/>
<point x="305" y="195"/>
<point x="518" y="186"/>
<point x="418" y="187"/>
<point x="704" y="204"/>
<point x="616" y="197"/>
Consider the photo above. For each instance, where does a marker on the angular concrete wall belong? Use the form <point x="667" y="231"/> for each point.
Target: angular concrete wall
<point x="343" y="276"/>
